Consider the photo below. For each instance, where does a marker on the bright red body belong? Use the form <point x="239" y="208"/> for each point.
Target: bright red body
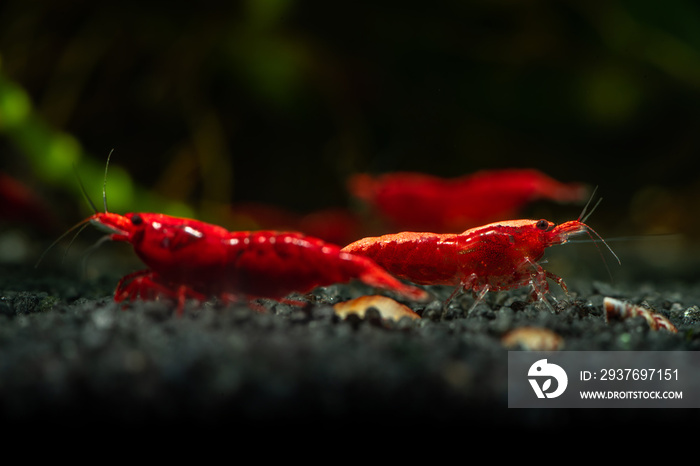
<point x="192" y="259"/>
<point x="499" y="256"/>
<point x="421" y="202"/>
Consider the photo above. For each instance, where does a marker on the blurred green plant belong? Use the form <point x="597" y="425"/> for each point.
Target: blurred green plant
<point x="55" y="157"/>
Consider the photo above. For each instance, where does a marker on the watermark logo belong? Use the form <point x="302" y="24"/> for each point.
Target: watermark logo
<point x="544" y="371"/>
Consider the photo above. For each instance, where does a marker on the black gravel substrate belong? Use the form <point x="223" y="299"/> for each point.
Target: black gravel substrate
<point x="68" y="354"/>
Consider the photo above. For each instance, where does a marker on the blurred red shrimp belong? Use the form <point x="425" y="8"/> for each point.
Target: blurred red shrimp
<point x="335" y="225"/>
<point x="421" y="202"/>
<point x="19" y="204"/>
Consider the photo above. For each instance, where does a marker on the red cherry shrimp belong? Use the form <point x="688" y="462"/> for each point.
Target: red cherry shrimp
<point x="191" y="259"/>
<point x="494" y="257"/>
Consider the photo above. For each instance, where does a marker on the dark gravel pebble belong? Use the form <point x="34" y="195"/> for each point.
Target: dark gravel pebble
<point x="70" y="354"/>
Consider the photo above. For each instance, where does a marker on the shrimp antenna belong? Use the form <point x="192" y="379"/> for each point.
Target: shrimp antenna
<point x="92" y="249"/>
<point x="589" y="229"/>
<point x="84" y="191"/>
<point x="583" y="220"/>
<point x="104" y="182"/>
<point x="583" y="217"/>
<point x="79" y="226"/>
<point x="629" y="238"/>
<point x="84" y="223"/>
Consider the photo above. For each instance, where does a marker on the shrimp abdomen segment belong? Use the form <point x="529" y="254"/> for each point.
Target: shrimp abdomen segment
<point x="265" y="263"/>
<point x="426" y="259"/>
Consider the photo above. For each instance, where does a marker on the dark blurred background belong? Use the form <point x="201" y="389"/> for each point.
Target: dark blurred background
<point x="279" y="101"/>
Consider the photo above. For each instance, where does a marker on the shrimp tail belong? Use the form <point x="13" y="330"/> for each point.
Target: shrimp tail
<point x="372" y="274"/>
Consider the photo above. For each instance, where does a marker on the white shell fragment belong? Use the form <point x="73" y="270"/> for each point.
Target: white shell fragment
<point x="616" y="309"/>
<point x="533" y="339"/>
<point x="387" y="307"/>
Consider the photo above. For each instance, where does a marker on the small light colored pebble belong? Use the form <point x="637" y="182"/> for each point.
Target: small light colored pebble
<point x="387" y="307"/>
<point x="533" y="339"/>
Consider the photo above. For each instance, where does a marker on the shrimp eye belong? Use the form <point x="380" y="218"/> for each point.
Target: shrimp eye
<point x="136" y="219"/>
<point x="542" y="225"/>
